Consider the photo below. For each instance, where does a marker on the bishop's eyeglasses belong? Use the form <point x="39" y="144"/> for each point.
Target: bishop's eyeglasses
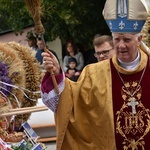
<point x="104" y="53"/>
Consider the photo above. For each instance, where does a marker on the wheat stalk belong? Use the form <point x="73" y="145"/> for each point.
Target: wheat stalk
<point x="34" y="9"/>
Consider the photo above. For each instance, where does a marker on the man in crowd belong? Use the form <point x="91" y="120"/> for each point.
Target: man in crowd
<point x="40" y="50"/>
<point x="104" y="48"/>
<point x="31" y="39"/>
<point x="108" y="107"/>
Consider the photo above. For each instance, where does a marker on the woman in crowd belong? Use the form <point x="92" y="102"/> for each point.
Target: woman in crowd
<point x="72" y="51"/>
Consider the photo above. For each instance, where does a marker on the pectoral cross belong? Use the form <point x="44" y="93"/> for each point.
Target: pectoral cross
<point x="133" y="103"/>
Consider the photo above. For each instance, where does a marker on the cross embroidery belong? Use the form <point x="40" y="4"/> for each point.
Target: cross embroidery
<point x="122" y="8"/>
<point x="133" y="103"/>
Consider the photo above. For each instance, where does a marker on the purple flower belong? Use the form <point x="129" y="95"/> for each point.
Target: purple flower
<point x="4" y="77"/>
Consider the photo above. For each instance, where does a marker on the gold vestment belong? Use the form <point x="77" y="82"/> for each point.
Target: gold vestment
<point x="84" y="118"/>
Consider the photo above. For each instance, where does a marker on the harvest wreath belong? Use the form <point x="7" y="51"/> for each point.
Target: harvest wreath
<point x="20" y="77"/>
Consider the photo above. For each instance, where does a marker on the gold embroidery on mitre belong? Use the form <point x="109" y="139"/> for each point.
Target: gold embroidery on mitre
<point x="133" y="127"/>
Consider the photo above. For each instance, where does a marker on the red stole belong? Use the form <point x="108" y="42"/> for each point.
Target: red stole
<point x="131" y="129"/>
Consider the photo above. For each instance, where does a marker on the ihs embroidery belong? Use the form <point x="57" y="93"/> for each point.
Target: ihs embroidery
<point x="133" y="119"/>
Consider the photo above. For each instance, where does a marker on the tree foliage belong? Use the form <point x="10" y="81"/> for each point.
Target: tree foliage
<point x="76" y="19"/>
<point x="13" y="15"/>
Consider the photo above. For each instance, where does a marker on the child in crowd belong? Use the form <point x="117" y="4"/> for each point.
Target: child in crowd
<point x="72" y="73"/>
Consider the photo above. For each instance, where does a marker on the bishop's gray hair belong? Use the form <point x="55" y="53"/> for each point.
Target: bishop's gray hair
<point x="137" y="35"/>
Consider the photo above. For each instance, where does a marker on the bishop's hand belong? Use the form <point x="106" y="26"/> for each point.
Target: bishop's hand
<point x="50" y="62"/>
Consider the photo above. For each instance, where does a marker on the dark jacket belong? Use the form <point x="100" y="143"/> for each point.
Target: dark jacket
<point x="39" y="56"/>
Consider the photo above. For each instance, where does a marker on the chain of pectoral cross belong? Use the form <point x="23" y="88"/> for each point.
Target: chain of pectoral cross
<point x="132" y="99"/>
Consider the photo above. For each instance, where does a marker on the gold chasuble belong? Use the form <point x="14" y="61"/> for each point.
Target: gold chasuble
<point x="98" y="113"/>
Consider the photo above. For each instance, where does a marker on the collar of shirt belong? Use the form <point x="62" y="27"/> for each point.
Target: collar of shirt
<point x="131" y="65"/>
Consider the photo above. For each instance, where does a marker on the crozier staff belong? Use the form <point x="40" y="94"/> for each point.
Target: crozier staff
<point x="34" y="7"/>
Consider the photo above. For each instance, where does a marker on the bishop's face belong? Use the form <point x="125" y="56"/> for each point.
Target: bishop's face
<point x="126" y="46"/>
